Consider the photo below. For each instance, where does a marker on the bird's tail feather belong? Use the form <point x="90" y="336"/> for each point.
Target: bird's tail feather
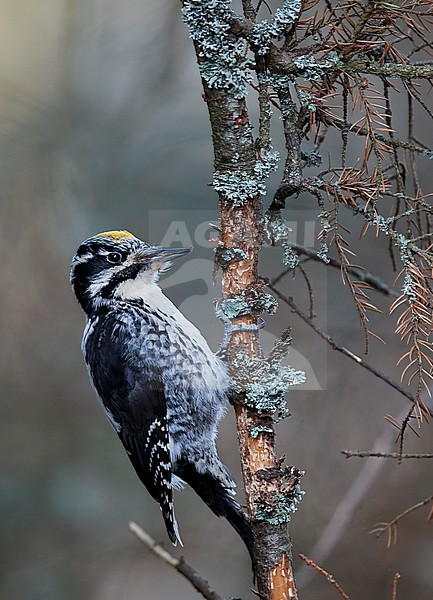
<point x="171" y="526"/>
<point x="220" y="500"/>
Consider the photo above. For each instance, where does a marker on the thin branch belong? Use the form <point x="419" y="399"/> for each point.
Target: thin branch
<point x="397" y="455"/>
<point x="394" y="142"/>
<point x="400" y="71"/>
<point x="394" y="586"/>
<point x="368" y="12"/>
<point x="365" y="191"/>
<point x="360" y="274"/>
<point x="310" y="289"/>
<point x="196" y="580"/>
<point x="353" y="498"/>
<point x="281" y="62"/>
<point x="394" y="384"/>
<point x="391" y="527"/>
<point x="328" y="576"/>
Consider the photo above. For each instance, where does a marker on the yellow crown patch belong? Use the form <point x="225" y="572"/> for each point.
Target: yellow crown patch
<point x="116" y="235"/>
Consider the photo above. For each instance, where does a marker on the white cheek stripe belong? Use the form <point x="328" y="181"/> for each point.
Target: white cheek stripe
<point x="102" y="280"/>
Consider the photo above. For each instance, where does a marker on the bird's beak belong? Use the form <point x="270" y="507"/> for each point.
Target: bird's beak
<point x="160" y="255"/>
<point x="167" y="254"/>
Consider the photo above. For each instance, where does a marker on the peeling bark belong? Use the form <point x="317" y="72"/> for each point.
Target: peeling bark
<point x="234" y="148"/>
<point x="235" y="153"/>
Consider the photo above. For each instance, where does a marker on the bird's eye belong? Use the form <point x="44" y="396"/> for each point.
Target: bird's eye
<point x="114" y="258"/>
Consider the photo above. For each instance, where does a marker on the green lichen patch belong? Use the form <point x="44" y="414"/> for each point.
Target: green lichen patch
<point x="227" y="256"/>
<point x="312" y="70"/>
<point x="248" y="302"/>
<point x="279" y="508"/>
<point x="264" y="32"/>
<point x="276" y="233"/>
<point x="239" y="186"/>
<point x="264" y="382"/>
<point x="322" y="252"/>
<point x="222" y="60"/>
<point x="312" y="159"/>
<point x="259" y="429"/>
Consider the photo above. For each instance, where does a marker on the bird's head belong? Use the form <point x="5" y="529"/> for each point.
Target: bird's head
<point x="105" y="264"/>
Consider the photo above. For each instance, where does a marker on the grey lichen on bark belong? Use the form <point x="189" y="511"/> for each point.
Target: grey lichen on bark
<point x="242" y="165"/>
<point x="298" y="58"/>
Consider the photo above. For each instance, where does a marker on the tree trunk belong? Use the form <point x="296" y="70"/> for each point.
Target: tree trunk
<point x="234" y="150"/>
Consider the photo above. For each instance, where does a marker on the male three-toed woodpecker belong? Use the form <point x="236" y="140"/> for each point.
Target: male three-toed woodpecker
<point x="162" y="388"/>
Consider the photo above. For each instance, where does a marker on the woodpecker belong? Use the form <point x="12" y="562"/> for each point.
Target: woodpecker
<point x="163" y="389"/>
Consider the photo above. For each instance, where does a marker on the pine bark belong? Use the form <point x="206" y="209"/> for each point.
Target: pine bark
<point x="240" y="229"/>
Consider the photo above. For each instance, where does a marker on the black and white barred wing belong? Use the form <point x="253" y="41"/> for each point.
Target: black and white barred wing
<point x="133" y="397"/>
<point x="149" y="451"/>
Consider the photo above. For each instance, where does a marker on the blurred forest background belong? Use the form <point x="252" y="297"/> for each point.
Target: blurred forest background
<point x="103" y="127"/>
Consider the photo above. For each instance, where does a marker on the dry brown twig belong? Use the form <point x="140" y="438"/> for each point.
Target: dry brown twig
<point x="359" y="273"/>
<point x="396" y="455"/>
<point x="328" y="576"/>
<point x="414" y="325"/>
<point x="352" y="31"/>
<point x="360" y="361"/>
<point x="182" y="567"/>
<point x="394" y="586"/>
<point x="391" y="528"/>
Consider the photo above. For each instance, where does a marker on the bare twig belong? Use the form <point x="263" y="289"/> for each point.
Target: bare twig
<point x="402" y="71"/>
<point x="391" y="527"/>
<point x="397" y="455"/>
<point x="328" y="576"/>
<point x="360" y="361"/>
<point x="351" y="501"/>
<point x="394" y="586"/>
<point x="361" y="274"/>
<point x="196" y="580"/>
<point x="389" y="141"/>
